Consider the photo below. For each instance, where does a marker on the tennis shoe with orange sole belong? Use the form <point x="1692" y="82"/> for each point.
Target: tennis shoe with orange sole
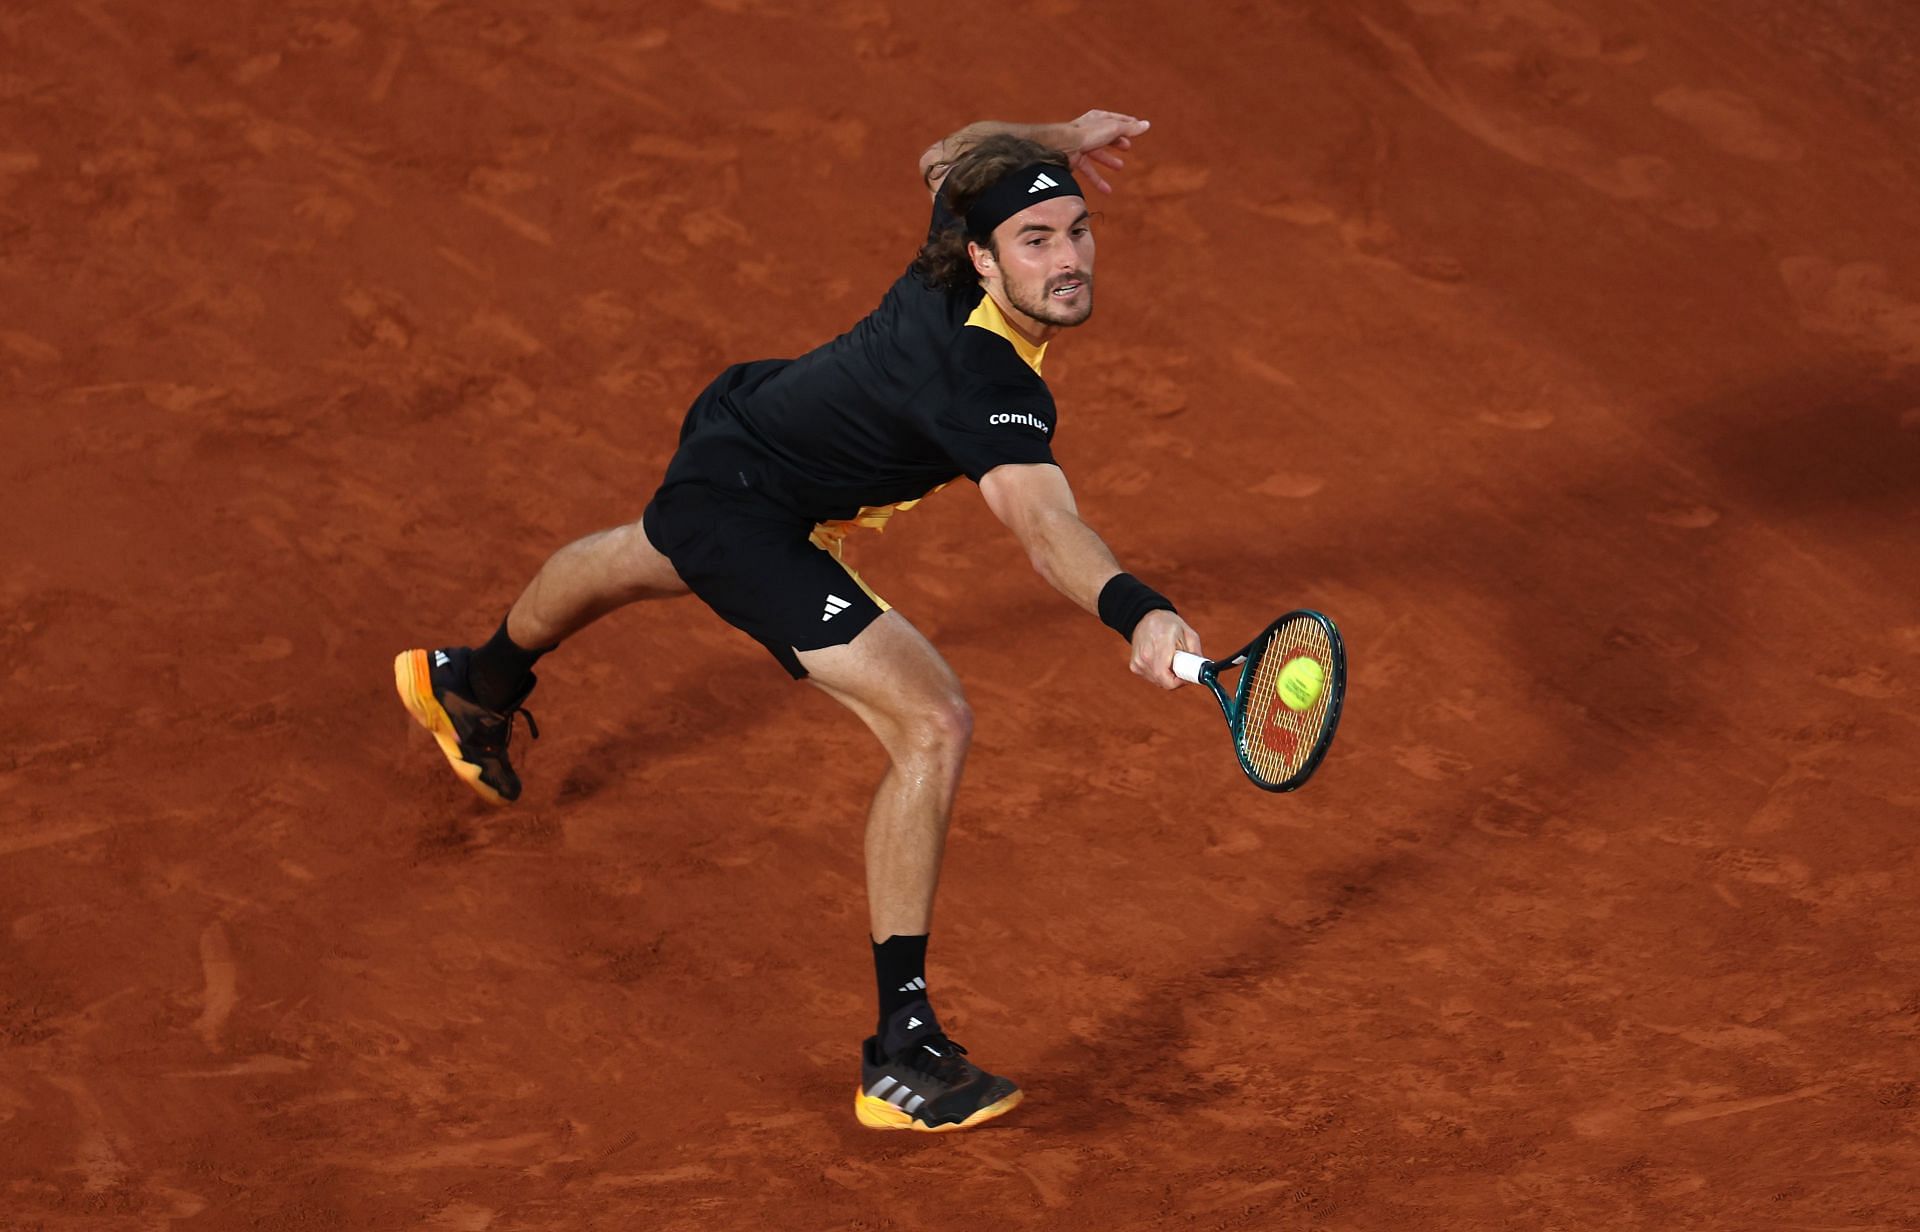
<point x="433" y="686"/>
<point x="920" y="1080"/>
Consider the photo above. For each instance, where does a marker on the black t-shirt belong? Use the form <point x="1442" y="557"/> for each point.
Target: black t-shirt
<point x="910" y="398"/>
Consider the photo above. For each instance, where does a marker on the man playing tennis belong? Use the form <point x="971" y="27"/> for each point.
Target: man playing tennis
<point x="778" y="458"/>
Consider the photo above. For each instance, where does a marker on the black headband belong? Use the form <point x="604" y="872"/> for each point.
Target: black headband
<point x="1015" y="191"/>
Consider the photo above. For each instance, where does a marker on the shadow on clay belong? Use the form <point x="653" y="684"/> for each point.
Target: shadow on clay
<point x="1818" y="443"/>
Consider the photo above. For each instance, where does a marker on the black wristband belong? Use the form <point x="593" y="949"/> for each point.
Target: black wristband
<point x="1125" y="599"/>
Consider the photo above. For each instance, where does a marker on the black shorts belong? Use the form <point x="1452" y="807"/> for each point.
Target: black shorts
<point x="756" y="566"/>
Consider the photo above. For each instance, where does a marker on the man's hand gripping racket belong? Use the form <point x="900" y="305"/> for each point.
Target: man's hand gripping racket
<point x="1286" y="699"/>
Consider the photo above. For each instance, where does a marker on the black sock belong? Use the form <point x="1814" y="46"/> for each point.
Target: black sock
<point x="501" y="672"/>
<point x="900" y="968"/>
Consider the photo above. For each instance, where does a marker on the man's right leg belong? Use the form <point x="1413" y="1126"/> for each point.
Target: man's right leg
<point x="898" y="684"/>
<point x="912" y="1075"/>
<point x="468" y="698"/>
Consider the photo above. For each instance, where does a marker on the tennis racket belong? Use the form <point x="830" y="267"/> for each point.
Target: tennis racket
<point x="1279" y="746"/>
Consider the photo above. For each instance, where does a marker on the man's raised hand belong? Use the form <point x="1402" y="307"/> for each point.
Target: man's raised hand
<point x="1099" y="137"/>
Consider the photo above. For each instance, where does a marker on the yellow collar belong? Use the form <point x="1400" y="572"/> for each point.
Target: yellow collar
<point x="989" y="317"/>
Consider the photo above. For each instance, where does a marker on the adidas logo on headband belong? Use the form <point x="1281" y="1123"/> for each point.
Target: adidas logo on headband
<point x="1005" y="197"/>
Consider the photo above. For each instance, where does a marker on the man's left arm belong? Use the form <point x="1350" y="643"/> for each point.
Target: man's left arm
<point x="1093" y="141"/>
<point x="1037" y="505"/>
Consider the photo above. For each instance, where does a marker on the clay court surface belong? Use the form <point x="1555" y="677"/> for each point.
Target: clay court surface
<point x="1567" y="353"/>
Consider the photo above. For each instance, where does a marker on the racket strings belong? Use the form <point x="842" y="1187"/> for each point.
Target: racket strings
<point x="1275" y="740"/>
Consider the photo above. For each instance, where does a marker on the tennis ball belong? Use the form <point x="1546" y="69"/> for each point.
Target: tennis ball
<point x="1299" y="684"/>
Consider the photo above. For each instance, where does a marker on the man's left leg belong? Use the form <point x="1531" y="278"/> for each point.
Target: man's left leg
<point x="467" y="698"/>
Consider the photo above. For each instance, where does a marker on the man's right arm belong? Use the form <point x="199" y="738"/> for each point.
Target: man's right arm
<point x="1037" y="505"/>
<point x="1094" y="138"/>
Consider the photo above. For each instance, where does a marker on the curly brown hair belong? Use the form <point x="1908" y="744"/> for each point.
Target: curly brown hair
<point x="944" y="261"/>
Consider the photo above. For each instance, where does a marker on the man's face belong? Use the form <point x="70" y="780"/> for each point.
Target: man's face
<point x="1044" y="265"/>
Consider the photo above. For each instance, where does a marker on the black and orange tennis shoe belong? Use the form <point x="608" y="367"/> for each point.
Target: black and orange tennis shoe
<point x="914" y="1077"/>
<point x="433" y="685"/>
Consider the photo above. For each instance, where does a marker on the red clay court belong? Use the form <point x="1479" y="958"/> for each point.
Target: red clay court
<point x="1568" y="354"/>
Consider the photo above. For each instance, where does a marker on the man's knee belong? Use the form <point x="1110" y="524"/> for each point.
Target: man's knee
<point x="941" y="727"/>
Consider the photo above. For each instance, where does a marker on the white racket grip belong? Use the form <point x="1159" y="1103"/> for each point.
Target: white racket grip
<point x="1187" y="666"/>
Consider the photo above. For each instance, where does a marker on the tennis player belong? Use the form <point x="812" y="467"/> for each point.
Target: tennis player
<point x="779" y="459"/>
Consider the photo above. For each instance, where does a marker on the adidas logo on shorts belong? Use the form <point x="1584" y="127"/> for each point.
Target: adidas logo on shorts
<point x="835" y="606"/>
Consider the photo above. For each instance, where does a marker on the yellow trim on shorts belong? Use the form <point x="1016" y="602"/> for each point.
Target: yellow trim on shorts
<point x="829" y="537"/>
<point x="871" y="593"/>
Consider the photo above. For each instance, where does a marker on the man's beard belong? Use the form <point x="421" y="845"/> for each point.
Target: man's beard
<point x="1045" y="308"/>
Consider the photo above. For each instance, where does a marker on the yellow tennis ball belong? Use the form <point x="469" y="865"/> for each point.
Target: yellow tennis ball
<point x="1300" y="683"/>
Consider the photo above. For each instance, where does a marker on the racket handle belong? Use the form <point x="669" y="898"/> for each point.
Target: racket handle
<point x="1187" y="666"/>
